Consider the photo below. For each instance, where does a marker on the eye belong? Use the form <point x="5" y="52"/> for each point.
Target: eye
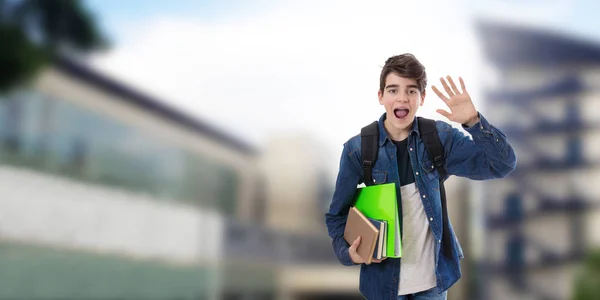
<point x="412" y="91"/>
<point x="392" y="91"/>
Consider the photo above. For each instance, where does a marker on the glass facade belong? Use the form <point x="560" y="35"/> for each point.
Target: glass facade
<point x="51" y="135"/>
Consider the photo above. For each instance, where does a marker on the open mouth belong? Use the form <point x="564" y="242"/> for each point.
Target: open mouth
<point x="401" y="113"/>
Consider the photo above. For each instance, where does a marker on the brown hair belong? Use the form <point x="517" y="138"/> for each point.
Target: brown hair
<point x="404" y="65"/>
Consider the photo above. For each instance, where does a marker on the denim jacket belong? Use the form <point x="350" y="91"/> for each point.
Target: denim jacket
<point x="486" y="155"/>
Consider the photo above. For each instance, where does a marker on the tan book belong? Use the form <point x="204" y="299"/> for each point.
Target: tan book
<point x="359" y="225"/>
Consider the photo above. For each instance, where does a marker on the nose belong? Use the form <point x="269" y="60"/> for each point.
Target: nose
<point x="401" y="97"/>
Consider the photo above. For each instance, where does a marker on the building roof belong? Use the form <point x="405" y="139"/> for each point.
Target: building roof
<point x="154" y="106"/>
<point x="509" y="44"/>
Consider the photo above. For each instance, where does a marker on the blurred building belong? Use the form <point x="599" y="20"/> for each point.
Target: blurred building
<point x="544" y="216"/>
<point x="299" y="182"/>
<point x="107" y="193"/>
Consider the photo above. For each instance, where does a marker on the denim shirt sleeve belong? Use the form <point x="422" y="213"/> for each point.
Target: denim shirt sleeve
<point x="349" y="176"/>
<point x="487" y="155"/>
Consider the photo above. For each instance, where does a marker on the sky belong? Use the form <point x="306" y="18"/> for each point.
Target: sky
<point x="257" y="69"/>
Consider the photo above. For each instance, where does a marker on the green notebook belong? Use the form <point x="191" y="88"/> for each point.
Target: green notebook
<point x="379" y="202"/>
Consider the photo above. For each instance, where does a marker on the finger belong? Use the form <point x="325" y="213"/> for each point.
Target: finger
<point x="355" y="244"/>
<point x="452" y="85"/>
<point x="462" y="85"/>
<point x="353" y="254"/>
<point x="440" y="94"/>
<point x="444" y="113"/>
<point x="377" y="260"/>
<point x="446" y="87"/>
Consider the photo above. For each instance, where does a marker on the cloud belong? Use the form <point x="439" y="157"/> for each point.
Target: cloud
<point x="308" y="66"/>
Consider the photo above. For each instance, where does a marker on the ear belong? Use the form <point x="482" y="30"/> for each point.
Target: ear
<point x="423" y="98"/>
<point x="380" y="96"/>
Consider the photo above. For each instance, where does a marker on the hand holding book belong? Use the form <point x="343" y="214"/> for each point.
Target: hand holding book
<point x="354" y="255"/>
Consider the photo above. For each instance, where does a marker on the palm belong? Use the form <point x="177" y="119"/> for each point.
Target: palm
<point x="461" y="107"/>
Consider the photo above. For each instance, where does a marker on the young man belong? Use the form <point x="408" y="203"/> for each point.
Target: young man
<point x="425" y="271"/>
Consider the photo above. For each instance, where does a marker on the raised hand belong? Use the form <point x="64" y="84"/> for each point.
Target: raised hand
<point x="462" y="110"/>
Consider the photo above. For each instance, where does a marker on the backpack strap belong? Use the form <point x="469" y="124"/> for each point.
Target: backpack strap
<point x="434" y="147"/>
<point x="369" y="136"/>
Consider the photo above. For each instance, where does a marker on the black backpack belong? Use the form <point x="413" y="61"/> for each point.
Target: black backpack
<point x="369" y="149"/>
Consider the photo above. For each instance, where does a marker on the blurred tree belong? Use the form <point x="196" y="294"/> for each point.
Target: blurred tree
<point x="587" y="281"/>
<point x="33" y="31"/>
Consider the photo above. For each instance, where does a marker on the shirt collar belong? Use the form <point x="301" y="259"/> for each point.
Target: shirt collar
<point x="383" y="135"/>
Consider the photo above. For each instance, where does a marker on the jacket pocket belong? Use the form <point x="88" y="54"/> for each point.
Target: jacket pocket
<point x="379" y="177"/>
<point x="429" y="170"/>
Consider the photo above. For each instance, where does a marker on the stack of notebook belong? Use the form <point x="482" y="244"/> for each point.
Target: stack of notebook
<point x="372" y="233"/>
<point x="375" y="207"/>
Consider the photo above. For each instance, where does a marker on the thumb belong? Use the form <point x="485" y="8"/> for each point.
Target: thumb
<point x="355" y="244"/>
<point x="444" y="113"/>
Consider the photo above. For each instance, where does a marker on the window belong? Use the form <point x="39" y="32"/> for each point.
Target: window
<point x="62" y="138"/>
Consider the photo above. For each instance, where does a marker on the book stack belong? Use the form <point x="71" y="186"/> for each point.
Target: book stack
<point x="375" y="207"/>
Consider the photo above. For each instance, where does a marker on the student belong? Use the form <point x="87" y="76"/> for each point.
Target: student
<point x="425" y="271"/>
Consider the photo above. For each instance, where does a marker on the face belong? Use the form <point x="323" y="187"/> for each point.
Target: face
<point x="401" y="98"/>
